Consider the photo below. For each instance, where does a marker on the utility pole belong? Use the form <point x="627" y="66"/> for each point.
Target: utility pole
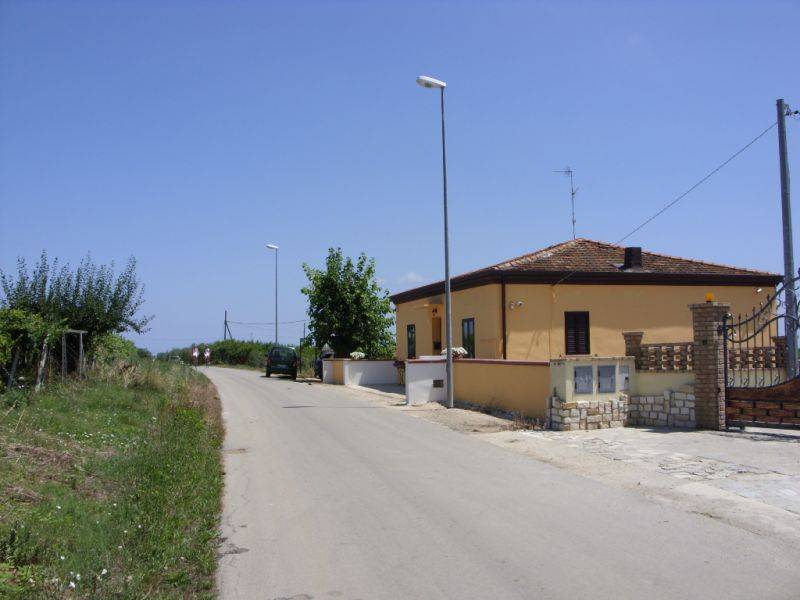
<point x="788" y="248"/>
<point x="275" y="248"/>
<point x="225" y="329"/>
<point x="572" y="191"/>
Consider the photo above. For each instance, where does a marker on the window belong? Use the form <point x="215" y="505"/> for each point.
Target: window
<point x="606" y="378"/>
<point x="584" y="383"/>
<point x="468" y="336"/>
<point x="576" y="332"/>
<point x="411" y="340"/>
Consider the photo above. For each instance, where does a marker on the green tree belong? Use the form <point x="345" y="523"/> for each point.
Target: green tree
<point x="348" y="310"/>
<point x="91" y="297"/>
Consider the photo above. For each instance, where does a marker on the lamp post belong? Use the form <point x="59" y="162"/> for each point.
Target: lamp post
<point x="274" y="247"/>
<point x="431" y="83"/>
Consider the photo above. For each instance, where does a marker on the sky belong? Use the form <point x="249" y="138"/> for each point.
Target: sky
<point x="191" y="134"/>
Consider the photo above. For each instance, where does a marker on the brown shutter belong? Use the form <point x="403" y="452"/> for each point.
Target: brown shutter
<point x="576" y="332"/>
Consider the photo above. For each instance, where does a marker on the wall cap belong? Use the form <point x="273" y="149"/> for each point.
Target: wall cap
<point x="501" y="361"/>
<point x="711" y="305"/>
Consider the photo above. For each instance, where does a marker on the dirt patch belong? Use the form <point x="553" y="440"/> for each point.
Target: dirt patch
<point x="20" y="494"/>
<point x="41" y="456"/>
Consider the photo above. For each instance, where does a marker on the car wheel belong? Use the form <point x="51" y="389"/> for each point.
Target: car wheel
<point x="294" y="374"/>
<point x="268" y="373"/>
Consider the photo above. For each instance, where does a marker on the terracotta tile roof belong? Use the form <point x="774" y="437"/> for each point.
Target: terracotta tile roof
<point x="589" y="261"/>
<point x="590" y="256"/>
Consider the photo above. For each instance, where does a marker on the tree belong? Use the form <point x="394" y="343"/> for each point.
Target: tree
<point x="348" y="310"/>
<point x="90" y="298"/>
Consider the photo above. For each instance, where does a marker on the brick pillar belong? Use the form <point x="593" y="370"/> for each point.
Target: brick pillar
<point x="633" y="343"/>
<point x="709" y="372"/>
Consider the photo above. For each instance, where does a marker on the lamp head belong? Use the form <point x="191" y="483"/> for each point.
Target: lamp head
<point x="272" y="246"/>
<point x="430" y="82"/>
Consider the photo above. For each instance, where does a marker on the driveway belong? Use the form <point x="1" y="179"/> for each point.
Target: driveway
<point x="332" y="495"/>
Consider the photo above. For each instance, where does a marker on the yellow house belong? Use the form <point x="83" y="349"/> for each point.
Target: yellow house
<point x="573" y="298"/>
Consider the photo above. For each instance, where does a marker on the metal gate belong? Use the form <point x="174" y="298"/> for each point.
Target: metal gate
<point x="758" y="388"/>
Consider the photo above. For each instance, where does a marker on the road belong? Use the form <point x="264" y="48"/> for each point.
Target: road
<point x="331" y="495"/>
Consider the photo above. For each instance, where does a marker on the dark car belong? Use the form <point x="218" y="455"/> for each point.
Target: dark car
<point x="282" y="359"/>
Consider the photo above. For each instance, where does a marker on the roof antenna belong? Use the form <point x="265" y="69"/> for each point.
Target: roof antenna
<point x="572" y="191"/>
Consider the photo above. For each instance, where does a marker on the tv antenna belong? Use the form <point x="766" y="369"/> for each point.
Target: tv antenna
<point x="572" y="191"/>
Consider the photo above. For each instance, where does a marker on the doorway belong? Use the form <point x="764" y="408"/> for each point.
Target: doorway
<point x="436" y="334"/>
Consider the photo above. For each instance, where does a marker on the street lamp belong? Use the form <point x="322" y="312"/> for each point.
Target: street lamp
<point x="274" y="247"/>
<point x="431" y="83"/>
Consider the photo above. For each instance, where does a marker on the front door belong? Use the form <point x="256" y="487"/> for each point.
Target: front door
<point x="436" y="334"/>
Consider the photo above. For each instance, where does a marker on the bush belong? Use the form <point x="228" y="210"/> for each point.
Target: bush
<point x="111" y="347"/>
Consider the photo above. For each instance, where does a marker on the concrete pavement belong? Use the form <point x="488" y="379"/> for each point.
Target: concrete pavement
<point x="329" y="495"/>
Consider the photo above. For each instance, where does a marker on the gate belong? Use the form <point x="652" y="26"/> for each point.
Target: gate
<point x="758" y="388"/>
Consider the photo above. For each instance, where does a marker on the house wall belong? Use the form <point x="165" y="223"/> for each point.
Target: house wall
<point x="535" y="330"/>
<point x="506" y="385"/>
<point x="480" y="303"/>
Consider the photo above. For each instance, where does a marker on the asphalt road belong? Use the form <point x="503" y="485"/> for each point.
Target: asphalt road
<point x="331" y="495"/>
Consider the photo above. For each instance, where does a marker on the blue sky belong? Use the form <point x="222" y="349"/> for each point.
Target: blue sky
<point x="189" y="135"/>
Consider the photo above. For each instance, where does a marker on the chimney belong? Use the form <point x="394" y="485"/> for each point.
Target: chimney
<point x="633" y="258"/>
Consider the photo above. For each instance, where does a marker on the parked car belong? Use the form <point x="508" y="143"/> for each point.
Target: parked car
<point x="318" y="363"/>
<point x="284" y="360"/>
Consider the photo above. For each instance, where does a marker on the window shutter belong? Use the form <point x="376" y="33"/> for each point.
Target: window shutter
<point x="576" y="332"/>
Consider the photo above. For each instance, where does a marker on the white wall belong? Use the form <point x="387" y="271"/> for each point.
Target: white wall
<point x="419" y="381"/>
<point x="327" y="371"/>
<point x="369" y="372"/>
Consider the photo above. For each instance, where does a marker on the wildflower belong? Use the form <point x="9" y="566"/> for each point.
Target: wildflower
<point x="78" y="576"/>
<point x="115" y="504"/>
<point x="104" y="571"/>
<point x="129" y="578"/>
<point x="72" y="585"/>
<point x="119" y="547"/>
<point x="58" y="506"/>
<point x="124" y="531"/>
<point x="62" y="557"/>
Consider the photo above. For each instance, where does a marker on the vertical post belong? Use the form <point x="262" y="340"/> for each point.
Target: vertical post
<point x="503" y="315"/>
<point x="788" y="250"/>
<point x="80" y="355"/>
<point x="302" y="345"/>
<point x="63" y="357"/>
<point x="448" y="302"/>
<point x="708" y="322"/>
<point x="225" y="329"/>
<point x="276" y="296"/>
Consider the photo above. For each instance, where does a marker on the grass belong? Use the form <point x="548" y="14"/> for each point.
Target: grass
<point x="111" y="488"/>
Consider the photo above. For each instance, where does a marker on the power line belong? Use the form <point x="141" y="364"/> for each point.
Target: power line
<point x="681" y="196"/>
<point x="698" y="184"/>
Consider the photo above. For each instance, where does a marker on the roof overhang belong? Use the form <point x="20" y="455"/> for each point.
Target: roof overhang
<point x="480" y="278"/>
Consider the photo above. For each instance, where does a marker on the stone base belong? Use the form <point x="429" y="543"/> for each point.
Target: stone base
<point x="672" y="409"/>
<point x="587" y="414"/>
